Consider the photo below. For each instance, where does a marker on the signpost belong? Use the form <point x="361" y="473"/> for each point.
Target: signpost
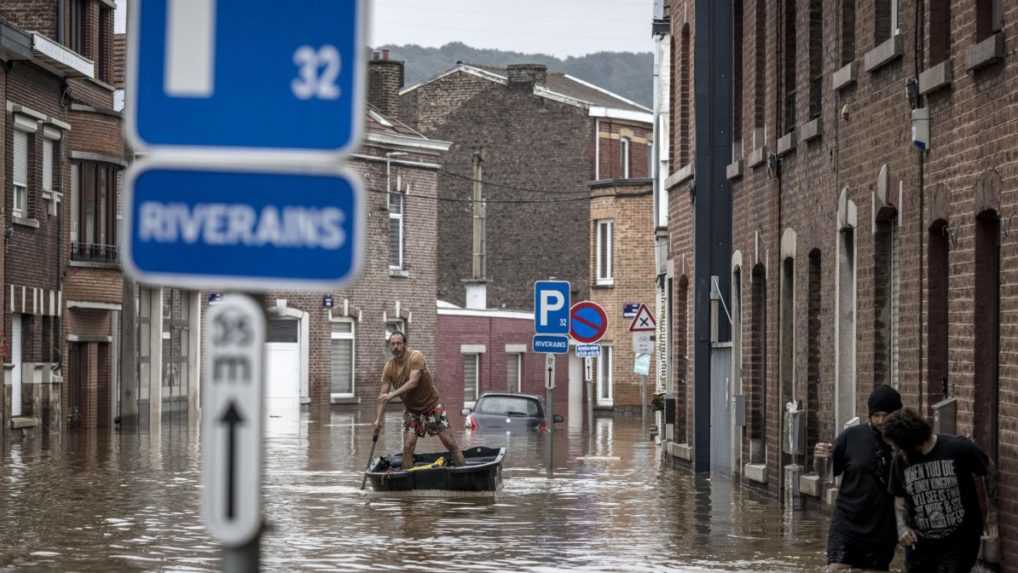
<point x="227" y="227"/>
<point x="208" y="77"/>
<point x="587" y="322"/>
<point x="232" y="421"/>
<point x="551" y="327"/>
<point x="244" y="117"/>
<point x="643" y="327"/>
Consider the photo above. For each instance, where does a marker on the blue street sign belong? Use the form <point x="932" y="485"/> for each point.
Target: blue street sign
<point x="551" y="307"/>
<point x="551" y="344"/>
<point x="226" y="227"/>
<point x="240" y="75"/>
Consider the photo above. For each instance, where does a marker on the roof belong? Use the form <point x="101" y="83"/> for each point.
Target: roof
<point x="384" y="130"/>
<point x="558" y="86"/>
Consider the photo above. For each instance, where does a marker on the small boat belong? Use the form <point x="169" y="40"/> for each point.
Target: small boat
<point x="432" y="476"/>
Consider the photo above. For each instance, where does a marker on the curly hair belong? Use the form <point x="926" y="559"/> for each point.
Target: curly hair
<point x="907" y="430"/>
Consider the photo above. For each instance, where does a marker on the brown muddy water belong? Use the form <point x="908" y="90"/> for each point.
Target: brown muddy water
<point x="130" y="501"/>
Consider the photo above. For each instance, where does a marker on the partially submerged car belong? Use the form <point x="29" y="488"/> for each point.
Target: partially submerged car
<point x="498" y="411"/>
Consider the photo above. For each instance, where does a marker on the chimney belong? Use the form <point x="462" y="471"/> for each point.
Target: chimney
<point x="527" y="75"/>
<point x="385" y="79"/>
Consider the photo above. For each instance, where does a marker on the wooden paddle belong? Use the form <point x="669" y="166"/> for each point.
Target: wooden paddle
<point x="371" y="456"/>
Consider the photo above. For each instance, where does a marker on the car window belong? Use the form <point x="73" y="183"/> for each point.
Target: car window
<point x="506" y="404"/>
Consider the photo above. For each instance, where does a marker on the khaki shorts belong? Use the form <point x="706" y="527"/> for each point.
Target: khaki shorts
<point x="430" y="423"/>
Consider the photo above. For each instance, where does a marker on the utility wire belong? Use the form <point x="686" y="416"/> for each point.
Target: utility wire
<point x="508" y="186"/>
<point x="415" y="196"/>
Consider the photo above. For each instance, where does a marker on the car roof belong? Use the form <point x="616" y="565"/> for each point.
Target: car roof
<point x="509" y="395"/>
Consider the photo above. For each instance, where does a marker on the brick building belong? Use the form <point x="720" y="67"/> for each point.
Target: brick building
<point x="858" y="260"/>
<point x="62" y="163"/>
<point x="622" y="272"/>
<point x="527" y="143"/>
<point x="488" y="350"/>
<point x="329" y="347"/>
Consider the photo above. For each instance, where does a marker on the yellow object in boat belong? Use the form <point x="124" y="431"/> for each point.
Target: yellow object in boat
<point x="440" y="462"/>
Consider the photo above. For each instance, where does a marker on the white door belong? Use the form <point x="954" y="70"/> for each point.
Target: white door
<point x="575" y="392"/>
<point x="16" y="359"/>
<point x="282" y="368"/>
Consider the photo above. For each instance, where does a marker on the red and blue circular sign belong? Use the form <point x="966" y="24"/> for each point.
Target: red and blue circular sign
<point x="587" y="322"/>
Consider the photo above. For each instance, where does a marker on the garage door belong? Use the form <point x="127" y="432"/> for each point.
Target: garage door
<point x="282" y="348"/>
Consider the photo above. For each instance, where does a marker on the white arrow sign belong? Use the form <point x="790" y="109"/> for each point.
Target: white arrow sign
<point x="232" y="410"/>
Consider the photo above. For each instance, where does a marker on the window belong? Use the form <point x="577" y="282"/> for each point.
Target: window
<point x="885" y="300"/>
<point x="737" y="80"/>
<point x="847" y="32"/>
<point x="514" y="373"/>
<point x="342" y="380"/>
<point x="686" y="112"/>
<point x="760" y="78"/>
<point x="20" y="175"/>
<point x="94" y="210"/>
<point x="988" y="18"/>
<point x="396" y="204"/>
<point x="604" y="376"/>
<point x="940" y="30"/>
<point x="625" y="158"/>
<point x="395" y="325"/>
<point x="104" y="59"/>
<point x="508" y="405"/>
<point x="75" y="17"/>
<point x="788" y="112"/>
<point x="939" y="273"/>
<point x="471" y="379"/>
<point x="816" y="58"/>
<point x="886" y="20"/>
<point x="604" y="252"/>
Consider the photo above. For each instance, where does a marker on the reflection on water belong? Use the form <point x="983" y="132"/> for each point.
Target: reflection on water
<point x="88" y="502"/>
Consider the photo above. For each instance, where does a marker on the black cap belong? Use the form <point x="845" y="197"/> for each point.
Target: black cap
<point x="884" y="399"/>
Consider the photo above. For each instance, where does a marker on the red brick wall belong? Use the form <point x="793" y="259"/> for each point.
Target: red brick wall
<point x="640" y="140"/>
<point x="495" y="334"/>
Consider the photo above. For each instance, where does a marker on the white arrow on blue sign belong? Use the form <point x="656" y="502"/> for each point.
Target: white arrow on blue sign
<point x="194" y="226"/>
<point x="255" y="76"/>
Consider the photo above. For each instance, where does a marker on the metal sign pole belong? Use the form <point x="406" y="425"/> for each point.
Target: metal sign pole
<point x="549" y="386"/>
<point x="643" y="403"/>
<point x="588" y="378"/>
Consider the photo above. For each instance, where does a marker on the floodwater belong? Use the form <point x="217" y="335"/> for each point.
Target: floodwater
<point x="130" y="502"/>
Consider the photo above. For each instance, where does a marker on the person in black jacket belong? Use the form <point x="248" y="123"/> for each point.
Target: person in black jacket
<point x="863" y="533"/>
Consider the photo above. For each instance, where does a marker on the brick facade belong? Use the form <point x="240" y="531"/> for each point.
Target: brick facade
<point x="626" y="204"/>
<point x="539" y="154"/>
<point x="495" y="331"/>
<point x="379" y="292"/>
<point x="929" y="253"/>
<point x="43" y="268"/>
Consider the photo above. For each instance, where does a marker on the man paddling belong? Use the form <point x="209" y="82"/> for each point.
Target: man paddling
<point x="423" y="415"/>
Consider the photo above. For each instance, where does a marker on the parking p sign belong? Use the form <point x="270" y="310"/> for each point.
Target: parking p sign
<point x="551" y="317"/>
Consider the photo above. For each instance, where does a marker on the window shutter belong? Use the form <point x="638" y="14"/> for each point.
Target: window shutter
<point x="469" y="377"/>
<point x="20" y="158"/>
<point x="47" y="165"/>
<point x="342" y="366"/>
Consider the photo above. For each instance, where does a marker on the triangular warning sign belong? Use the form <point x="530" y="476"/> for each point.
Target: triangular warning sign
<point x="644" y="321"/>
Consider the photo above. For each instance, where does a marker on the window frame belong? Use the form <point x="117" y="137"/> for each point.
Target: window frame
<point x="605" y="269"/>
<point x="516" y="385"/>
<point x="19" y="189"/>
<point x="352" y="337"/>
<point x="397" y="218"/>
<point x="625" y="151"/>
<point x="605" y="369"/>
<point x="469" y="404"/>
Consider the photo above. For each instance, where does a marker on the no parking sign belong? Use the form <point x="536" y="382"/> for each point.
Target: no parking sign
<point x="587" y="322"/>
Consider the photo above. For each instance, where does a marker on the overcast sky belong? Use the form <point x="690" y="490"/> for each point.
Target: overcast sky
<point x="557" y="27"/>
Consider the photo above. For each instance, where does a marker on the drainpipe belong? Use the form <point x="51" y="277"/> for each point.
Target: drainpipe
<point x="920" y="56"/>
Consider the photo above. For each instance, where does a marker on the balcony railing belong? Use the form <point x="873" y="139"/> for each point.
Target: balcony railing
<point x="94" y="253"/>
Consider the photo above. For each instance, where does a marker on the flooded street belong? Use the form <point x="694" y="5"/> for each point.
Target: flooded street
<point x="130" y="502"/>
